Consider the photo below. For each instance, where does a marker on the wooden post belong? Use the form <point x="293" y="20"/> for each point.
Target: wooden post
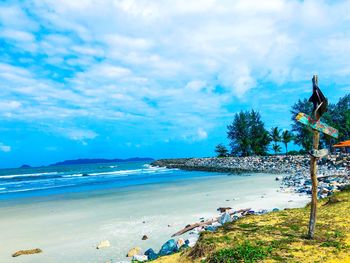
<point x="313" y="173"/>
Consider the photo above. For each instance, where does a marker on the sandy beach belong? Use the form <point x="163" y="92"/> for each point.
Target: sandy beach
<point x="68" y="227"/>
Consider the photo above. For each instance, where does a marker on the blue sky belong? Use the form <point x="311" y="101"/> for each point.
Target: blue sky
<point x="122" y="78"/>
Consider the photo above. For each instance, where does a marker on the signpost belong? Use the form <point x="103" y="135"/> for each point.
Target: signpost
<point x="320" y="107"/>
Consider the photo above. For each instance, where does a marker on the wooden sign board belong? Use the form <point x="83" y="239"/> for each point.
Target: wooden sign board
<point x="317" y="125"/>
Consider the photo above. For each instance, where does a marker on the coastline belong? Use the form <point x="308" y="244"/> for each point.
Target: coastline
<point x="68" y="227"/>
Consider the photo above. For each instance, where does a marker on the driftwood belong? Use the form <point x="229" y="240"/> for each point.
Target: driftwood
<point x="27" y="252"/>
<point x="208" y="222"/>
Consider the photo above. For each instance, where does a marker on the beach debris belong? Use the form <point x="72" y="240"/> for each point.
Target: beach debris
<point x="27" y="252"/>
<point x="103" y="244"/>
<point x="180" y="242"/>
<point x="225" y="218"/>
<point x="168" y="248"/>
<point x="144" y="237"/>
<point x="134" y="251"/>
<point x="151" y="254"/>
<point x="140" y="258"/>
<point x="208" y="222"/>
<point x="191" y="241"/>
<point x="318" y="153"/>
<point x="223" y="209"/>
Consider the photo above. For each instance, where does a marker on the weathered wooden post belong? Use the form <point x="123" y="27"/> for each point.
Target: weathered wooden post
<point x="314" y="181"/>
<point x="320" y="106"/>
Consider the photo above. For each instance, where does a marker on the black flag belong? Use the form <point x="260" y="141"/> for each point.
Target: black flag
<point x="318" y="99"/>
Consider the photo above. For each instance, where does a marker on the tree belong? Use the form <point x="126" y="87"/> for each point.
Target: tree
<point x="247" y="134"/>
<point x="221" y="150"/>
<point x="338" y="116"/>
<point x="238" y="134"/>
<point x="259" y="137"/>
<point x="276" y="148"/>
<point x="302" y="134"/>
<point x="287" y="137"/>
<point x="275" y="135"/>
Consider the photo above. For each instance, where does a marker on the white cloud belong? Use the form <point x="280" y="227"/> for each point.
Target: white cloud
<point x="77" y="134"/>
<point x="201" y="134"/>
<point x="4" y="148"/>
<point x="175" y="65"/>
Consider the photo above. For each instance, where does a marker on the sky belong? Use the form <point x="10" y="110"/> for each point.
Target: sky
<point x="124" y="78"/>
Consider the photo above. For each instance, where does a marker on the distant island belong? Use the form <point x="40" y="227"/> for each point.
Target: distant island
<point x="93" y="161"/>
<point x="25" y="166"/>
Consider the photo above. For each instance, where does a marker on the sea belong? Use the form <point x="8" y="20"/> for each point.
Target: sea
<point x="61" y="179"/>
<point x="67" y="210"/>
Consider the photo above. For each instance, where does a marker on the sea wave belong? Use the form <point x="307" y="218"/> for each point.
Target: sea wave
<point x="34" y="189"/>
<point x="26" y="175"/>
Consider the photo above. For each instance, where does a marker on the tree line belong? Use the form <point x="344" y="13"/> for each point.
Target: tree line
<point x="248" y="136"/>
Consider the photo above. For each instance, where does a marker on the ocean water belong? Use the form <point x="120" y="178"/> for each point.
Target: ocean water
<point x="67" y="210"/>
<point x="44" y="181"/>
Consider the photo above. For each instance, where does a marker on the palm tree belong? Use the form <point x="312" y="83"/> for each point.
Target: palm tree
<point x="275" y="135"/>
<point x="276" y="148"/>
<point x="287" y="137"/>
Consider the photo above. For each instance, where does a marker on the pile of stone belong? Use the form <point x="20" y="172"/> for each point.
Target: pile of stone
<point x="172" y="246"/>
<point x="168" y="248"/>
<point x="333" y="171"/>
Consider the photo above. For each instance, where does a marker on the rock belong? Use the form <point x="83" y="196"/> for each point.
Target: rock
<point x="183" y="247"/>
<point x="210" y="228"/>
<point x="134" y="251"/>
<point x="191" y="241"/>
<point x="151" y="254"/>
<point x="223" y="209"/>
<point x="225" y="218"/>
<point x="180" y="242"/>
<point x="144" y="237"/>
<point x="140" y="258"/>
<point x="103" y="244"/>
<point x="27" y="252"/>
<point x="168" y="248"/>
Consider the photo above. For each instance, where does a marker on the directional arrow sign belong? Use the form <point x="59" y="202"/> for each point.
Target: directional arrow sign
<point x="317" y="125"/>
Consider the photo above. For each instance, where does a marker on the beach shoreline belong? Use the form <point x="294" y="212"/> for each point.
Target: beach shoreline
<point x="69" y="227"/>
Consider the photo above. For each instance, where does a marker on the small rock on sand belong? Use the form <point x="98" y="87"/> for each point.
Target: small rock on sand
<point x="223" y="209"/>
<point x="144" y="237"/>
<point x="103" y="244"/>
<point x="140" y="258"/>
<point x="27" y="252"/>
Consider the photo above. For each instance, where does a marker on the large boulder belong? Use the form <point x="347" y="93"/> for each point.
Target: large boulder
<point x="134" y="251"/>
<point x="225" y="218"/>
<point x="151" y="254"/>
<point x="168" y="248"/>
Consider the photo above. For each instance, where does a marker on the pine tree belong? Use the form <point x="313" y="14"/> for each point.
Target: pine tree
<point x="221" y="150"/>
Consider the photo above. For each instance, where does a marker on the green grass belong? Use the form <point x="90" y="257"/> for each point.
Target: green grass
<point x="245" y="252"/>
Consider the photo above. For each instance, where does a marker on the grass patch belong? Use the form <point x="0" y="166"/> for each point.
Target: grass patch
<point x="245" y="252"/>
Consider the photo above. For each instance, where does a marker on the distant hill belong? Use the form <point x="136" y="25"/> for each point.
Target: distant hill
<point x="25" y="166"/>
<point x="92" y="161"/>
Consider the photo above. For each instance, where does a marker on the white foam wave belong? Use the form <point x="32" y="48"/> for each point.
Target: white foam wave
<point x="134" y="171"/>
<point x="25" y="175"/>
<point x="72" y="175"/>
<point x="33" y="189"/>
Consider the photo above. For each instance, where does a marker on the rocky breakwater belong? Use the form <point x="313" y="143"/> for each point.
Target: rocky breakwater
<point x="333" y="170"/>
